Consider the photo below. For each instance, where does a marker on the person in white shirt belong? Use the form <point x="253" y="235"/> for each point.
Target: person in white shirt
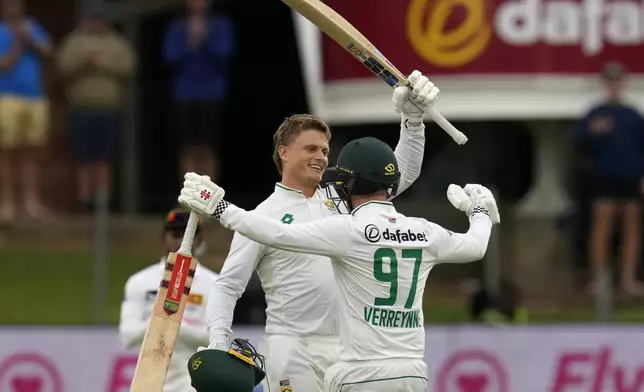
<point x="140" y="294"/>
<point x="301" y="335"/>
<point x="381" y="260"/>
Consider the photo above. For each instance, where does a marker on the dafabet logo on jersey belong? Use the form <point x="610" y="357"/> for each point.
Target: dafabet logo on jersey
<point x="373" y="234"/>
<point x="441" y="44"/>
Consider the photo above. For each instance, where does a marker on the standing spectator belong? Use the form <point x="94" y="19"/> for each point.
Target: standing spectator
<point x="95" y="61"/>
<point x="23" y="108"/>
<point x="611" y="136"/>
<point x="198" y="48"/>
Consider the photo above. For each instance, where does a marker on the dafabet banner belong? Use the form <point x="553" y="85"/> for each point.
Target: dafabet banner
<point x="493" y="36"/>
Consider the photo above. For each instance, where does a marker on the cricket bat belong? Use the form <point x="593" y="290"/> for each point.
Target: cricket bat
<point x="342" y="32"/>
<point x="163" y="329"/>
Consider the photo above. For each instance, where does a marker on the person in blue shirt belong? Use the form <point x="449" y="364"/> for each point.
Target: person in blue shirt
<point x="611" y="136"/>
<point x="23" y="108"/>
<point x="197" y="49"/>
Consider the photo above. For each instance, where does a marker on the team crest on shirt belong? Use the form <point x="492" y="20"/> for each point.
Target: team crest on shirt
<point x="285" y="385"/>
<point x="330" y="205"/>
<point x="195" y="299"/>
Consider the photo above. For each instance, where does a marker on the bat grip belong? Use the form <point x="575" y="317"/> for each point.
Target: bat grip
<point x="189" y="234"/>
<point x="458" y="136"/>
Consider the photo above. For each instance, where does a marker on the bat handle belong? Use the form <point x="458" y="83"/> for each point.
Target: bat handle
<point x="458" y="136"/>
<point x="189" y="234"/>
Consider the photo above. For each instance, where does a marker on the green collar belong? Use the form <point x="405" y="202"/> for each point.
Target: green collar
<point x="372" y="203"/>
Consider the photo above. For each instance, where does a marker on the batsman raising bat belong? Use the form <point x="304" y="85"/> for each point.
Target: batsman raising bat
<point x="301" y="340"/>
<point x="381" y="260"/>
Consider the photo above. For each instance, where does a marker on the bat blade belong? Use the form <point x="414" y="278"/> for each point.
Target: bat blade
<point x="346" y="35"/>
<point x="165" y="321"/>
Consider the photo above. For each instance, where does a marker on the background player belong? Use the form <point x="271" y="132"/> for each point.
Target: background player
<point x="301" y="340"/>
<point x="381" y="260"/>
<point x="140" y="294"/>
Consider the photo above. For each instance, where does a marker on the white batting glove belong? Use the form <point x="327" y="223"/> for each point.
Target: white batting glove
<point x="413" y="101"/>
<point x="200" y="194"/>
<point x="474" y="199"/>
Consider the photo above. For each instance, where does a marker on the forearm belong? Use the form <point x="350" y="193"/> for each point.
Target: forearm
<point x="470" y="246"/>
<point x="8" y="60"/>
<point x="220" y="309"/>
<point x="409" y="154"/>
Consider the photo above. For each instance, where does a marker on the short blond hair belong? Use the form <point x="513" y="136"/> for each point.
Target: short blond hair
<point x="291" y="127"/>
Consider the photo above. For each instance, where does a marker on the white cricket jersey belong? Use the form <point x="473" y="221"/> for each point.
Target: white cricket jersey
<point x="300" y="288"/>
<point x="140" y="294"/>
<point x="381" y="261"/>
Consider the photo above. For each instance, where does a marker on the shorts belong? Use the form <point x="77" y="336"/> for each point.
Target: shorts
<point x="395" y="375"/>
<point x="23" y="122"/>
<point x="298" y="361"/>
<point x="615" y="188"/>
<point x="198" y="122"/>
<point x="94" y="133"/>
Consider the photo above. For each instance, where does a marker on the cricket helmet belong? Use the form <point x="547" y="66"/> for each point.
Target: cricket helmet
<point x="364" y="166"/>
<point x="240" y="369"/>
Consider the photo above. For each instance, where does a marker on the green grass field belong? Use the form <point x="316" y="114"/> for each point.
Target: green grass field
<point x="47" y="287"/>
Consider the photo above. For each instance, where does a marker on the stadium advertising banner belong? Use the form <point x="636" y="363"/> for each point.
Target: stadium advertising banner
<point x="492" y="59"/>
<point x="460" y="359"/>
<point x="493" y="36"/>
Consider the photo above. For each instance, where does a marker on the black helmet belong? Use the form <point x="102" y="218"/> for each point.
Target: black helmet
<point x="364" y="166"/>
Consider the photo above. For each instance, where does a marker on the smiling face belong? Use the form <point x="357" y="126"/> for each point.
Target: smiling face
<point x="301" y="151"/>
<point x="306" y="157"/>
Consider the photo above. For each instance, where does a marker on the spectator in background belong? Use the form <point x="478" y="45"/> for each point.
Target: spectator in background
<point x="95" y="61"/>
<point x="198" y="48"/>
<point x="23" y="109"/>
<point x="611" y="136"/>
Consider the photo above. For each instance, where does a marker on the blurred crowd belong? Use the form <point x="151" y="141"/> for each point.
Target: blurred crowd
<point x="95" y="63"/>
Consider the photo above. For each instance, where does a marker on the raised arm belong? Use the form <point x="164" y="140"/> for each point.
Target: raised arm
<point x="242" y="260"/>
<point x="412" y="103"/>
<point x="479" y="205"/>
<point x="409" y="154"/>
<point x="450" y="247"/>
<point x="327" y="237"/>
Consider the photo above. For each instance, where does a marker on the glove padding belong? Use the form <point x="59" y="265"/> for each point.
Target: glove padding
<point x="414" y="100"/>
<point x="472" y="196"/>
<point x="200" y="194"/>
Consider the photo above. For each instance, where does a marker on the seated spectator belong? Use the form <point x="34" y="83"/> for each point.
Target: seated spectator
<point x="197" y="49"/>
<point x="96" y="62"/>
<point x="611" y="137"/>
<point x="24" y="117"/>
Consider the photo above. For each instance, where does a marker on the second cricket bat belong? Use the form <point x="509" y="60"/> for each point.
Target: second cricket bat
<point x="163" y="329"/>
<point x="343" y="32"/>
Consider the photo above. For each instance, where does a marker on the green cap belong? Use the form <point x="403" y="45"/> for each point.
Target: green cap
<point x="371" y="162"/>
<point x="216" y="370"/>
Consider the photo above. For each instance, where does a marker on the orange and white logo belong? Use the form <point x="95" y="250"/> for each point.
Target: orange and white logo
<point x="586" y="25"/>
<point x="428" y="33"/>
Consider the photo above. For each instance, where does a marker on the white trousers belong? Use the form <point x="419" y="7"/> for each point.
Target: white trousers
<point x="297" y="361"/>
<point x="394" y="375"/>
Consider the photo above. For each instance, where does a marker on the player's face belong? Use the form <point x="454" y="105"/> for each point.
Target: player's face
<point x="306" y="157"/>
<point x="172" y="240"/>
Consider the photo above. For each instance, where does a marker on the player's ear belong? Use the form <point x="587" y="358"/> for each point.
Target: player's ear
<point x="283" y="153"/>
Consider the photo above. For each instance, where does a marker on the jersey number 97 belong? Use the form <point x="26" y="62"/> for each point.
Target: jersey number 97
<point x="392" y="277"/>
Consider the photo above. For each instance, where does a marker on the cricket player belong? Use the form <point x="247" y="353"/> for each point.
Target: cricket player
<point x="140" y="295"/>
<point x="381" y="260"/>
<point x="301" y="336"/>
